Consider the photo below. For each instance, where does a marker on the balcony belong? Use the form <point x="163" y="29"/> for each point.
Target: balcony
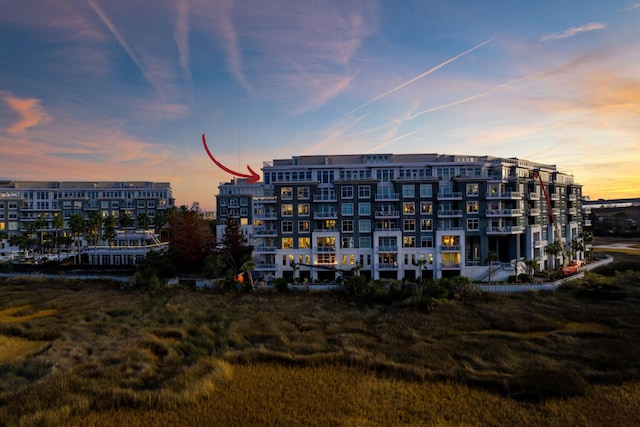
<point x="264" y="249"/>
<point x="325" y="215"/>
<point x="266" y="215"/>
<point x="540" y="243"/>
<point x="324" y="198"/>
<point x="392" y="248"/>
<point x="534" y="212"/>
<point x="387" y="214"/>
<point x="265" y="232"/>
<point x="450" y="248"/>
<point x="388" y="266"/>
<point x="572" y="211"/>
<point x="325" y="249"/>
<point x="450" y="213"/>
<point x="450" y="195"/>
<point x="554" y="196"/>
<point x="264" y="267"/>
<point x="573" y="198"/>
<point x="387" y="196"/>
<point x="533" y="196"/>
<point x="266" y="199"/>
<point x="504" y="212"/>
<point x="449" y="266"/>
<point x="512" y="195"/>
<point x="449" y="227"/>
<point x="507" y="229"/>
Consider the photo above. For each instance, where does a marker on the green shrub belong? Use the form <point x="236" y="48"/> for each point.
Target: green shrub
<point x="360" y="286"/>
<point x="282" y="285"/>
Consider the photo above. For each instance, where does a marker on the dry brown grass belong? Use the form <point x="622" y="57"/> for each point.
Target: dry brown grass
<point x="184" y="357"/>
<point x="15" y="348"/>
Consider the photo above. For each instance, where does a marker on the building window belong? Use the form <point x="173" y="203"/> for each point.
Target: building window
<point x="426" y="208"/>
<point x="287" y="226"/>
<point x="347" y="242"/>
<point x="287" y="243"/>
<point x="364" y="226"/>
<point x="473" y="224"/>
<point x="473" y="189"/>
<point x="426" y="225"/>
<point x="327" y="259"/>
<point x="286" y="193"/>
<point x="426" y="190"/>
<point x="303" y="226"/>
<point x="426" y="241"/>
<point x="364" y="208"/>
<point x="287" y="210"/>
<point x="408" y="190"/>
<point x="365" y="242"/>
<point x="347" y="192"/>
<point x="347" y="208"/>
<point x="304" y="243"/>
<point x="244" y="212"/>
<point x="243" y="201"/>
<point x="409" y="208"/>
<point x="472" y="207"/>
<point x="409" y="242"/>
<point x="409" y="225"/>
<point x="364" y="191"/>
<point x="347" y="226"/>
<point x="303" y="193"/>
<point x="303" y="209"/>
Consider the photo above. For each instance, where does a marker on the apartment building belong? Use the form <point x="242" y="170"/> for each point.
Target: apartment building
<point x="401" y="216"/>
<point x="23" y="202"/>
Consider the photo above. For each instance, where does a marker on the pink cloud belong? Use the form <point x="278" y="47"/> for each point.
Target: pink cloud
<point x="29" y="110"/>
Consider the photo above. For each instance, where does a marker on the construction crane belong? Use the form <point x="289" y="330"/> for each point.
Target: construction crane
<point x="536" y="174"/>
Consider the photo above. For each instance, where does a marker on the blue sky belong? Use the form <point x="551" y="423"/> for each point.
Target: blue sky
<point x="123" y="90"/>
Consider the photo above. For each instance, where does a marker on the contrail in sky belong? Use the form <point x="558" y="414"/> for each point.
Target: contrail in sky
<point x="419" y="76"/>
<point x="472" y="97"/>
<point x="391" y="142"/>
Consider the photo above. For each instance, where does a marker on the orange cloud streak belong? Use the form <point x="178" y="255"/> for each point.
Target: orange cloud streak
<point x="30" y="111"/>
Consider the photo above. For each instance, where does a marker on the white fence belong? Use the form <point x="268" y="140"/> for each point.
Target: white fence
<point x="536" y="287"/>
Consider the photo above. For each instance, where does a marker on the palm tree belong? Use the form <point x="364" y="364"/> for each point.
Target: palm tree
<point x="143" y="221"/>
<point x="587" y="239"/>
<point x="421" y="263"/>
<point x="39" y="226"/>
<point x="109" y="233"/>
<point x="554" y="249"/>
<point x="576" y="246"/>
<point x="95" y="225"/>
<point x="249" y="266"/>
<point x="532" y="266"/>
<point x="491" y="257"/>
<point x="125" y="222"/>
<point x="58" y="224"/>
<point x="77" y="226"/>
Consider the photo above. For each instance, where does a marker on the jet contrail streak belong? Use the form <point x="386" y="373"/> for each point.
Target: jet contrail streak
<point x="419" y="76"/>
<point x="472" y="97"/>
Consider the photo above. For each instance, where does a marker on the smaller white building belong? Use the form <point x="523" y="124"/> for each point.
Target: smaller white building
<point x="128" y="248"/>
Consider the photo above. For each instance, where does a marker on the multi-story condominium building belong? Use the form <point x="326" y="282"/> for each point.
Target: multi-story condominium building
<point x="22" y="203"/>
<point x="401" y="216"/>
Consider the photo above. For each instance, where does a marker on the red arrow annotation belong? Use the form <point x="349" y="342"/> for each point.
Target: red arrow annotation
<point x="252" y="177"/>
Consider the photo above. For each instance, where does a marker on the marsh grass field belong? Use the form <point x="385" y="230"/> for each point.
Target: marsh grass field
<point x="89" y="353"/>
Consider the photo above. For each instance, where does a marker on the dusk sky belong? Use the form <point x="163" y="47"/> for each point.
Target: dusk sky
<point x="123" y="90"/>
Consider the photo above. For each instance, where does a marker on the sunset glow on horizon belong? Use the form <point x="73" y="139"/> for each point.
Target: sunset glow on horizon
<point x="123" y="91"/>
